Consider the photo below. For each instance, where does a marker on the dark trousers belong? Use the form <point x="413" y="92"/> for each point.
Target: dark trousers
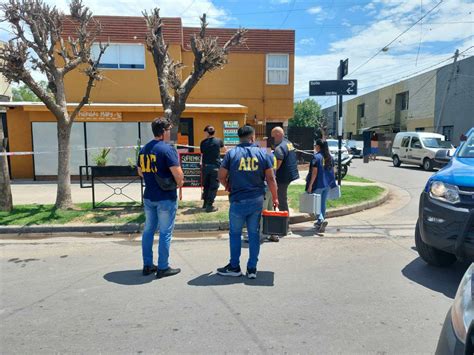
<point x="210" y="183"/>
<point x="283" y="197"/>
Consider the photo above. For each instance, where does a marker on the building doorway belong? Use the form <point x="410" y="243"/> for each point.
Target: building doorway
<point x="186" y="133"/>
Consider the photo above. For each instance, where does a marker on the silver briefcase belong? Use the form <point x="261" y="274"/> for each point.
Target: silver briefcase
<point x="310" y="203"/>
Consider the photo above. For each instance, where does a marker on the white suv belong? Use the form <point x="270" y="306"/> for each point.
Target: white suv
<point x="418" y="148"/>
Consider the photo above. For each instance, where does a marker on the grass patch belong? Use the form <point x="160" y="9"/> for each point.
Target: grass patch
<point x="350" y="195"/>
<point x="188" y="211"/>
<point x="118" y="213"/>
<point x="353" y="178"/>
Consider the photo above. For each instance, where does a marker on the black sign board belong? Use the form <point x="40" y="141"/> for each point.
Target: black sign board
<point x="191" y="165"/>
<point x="332" y="87"/>
<point x="343" y="69"/>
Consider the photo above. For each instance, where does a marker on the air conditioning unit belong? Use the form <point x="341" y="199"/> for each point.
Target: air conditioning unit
<point x="388" y="101"/>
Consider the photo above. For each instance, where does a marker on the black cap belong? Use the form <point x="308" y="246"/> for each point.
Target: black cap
<point x="209" y="129"/>
<point x="245" y="131"/>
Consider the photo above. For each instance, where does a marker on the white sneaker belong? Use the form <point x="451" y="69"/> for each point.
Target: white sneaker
<point x="251" y="273"/>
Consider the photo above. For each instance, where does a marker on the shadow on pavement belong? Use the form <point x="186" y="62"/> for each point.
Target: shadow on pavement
<point x="129" y="277"/>
<point x="443" y="280"/>
<point x="264" y="278"/>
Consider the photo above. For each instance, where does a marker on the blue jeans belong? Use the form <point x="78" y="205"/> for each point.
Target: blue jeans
<point x="324" y="196"/>
<point x="162" y="214"/>
<point x="245" y="212"/>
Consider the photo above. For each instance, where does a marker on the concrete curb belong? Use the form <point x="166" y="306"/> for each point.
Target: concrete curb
<point x="344" y="211"/>
<point x="111" y="229"/>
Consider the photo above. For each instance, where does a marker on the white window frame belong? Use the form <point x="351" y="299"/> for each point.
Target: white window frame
<point x="126" y="44"/>
<point x="267" y="68"/>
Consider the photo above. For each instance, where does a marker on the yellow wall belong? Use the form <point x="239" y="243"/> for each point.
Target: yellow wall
<point x="241" y="81"/>
<point x="20" y="138"/>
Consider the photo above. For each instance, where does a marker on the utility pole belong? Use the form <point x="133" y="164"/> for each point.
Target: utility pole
<point x="336" y="88"/>
<point x="443" y="104"/>
<point x="342" y="71"/>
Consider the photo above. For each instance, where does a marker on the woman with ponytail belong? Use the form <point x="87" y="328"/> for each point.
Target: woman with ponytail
<point x="318" y="180"/>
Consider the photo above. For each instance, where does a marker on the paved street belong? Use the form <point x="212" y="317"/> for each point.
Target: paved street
<point x="360" y="288"/>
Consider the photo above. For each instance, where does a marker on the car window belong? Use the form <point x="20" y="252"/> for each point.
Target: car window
<point x="467" y="148"/>
<point x="436" y="143"/>
<point x="405" y="142"/>
<point x="415" y="143"/>
<point x="332" y="143"/>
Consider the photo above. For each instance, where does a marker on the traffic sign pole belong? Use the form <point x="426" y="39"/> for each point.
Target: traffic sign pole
<point x="336" y="88"/>
<point x="341" y="72"/>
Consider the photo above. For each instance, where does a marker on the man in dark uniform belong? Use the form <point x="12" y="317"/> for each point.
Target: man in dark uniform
<point x="287" y="165"/>
<point x="211" y="161"/>
<point x="244" y="171"/>
<point x="159" y="158"/>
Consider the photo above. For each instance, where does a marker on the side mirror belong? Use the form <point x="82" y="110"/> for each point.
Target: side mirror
<point x="443" y="156"/>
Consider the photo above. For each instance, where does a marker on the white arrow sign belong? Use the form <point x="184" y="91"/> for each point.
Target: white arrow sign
<point x="351" y="84"/>
<point x="349" y="90"/>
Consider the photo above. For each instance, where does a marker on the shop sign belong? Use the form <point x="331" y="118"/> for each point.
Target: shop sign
<point x="230" y="132"/>
<point x="99" y="116"/>
<point x="191" y="165"/>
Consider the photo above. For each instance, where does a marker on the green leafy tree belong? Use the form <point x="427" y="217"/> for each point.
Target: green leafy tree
<point x="307" y="113"/>
<point x="24" y="93"/>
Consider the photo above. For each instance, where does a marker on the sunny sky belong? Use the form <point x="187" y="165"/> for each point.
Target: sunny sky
<point x="330" y="30"/>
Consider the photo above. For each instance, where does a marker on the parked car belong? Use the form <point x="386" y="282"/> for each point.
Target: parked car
<point x="457" y="335"/>
<point x="356" y="148"/>
<point x="418" y="148"/>
<point x="346" y="158"/>
<point x="445" y="228"/>
<point x="334" y="147"/>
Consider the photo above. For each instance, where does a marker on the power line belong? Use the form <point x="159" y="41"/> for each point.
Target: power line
<point x="187" y="8"/>
<point x="321" y="27"/>
<point x="288" y="13"/>
<point x="421" y="34"/>
<point x="384" y="48"/>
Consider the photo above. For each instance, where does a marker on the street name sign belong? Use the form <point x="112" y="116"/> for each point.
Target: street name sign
<point x="332" y="87"/>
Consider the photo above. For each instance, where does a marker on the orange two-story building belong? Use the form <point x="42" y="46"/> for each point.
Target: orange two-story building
<point x="255" y="87"/>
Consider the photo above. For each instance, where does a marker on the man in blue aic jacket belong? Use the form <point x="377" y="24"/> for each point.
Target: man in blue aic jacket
<point x="158" y="161"/>
<point x="244" y="171"/>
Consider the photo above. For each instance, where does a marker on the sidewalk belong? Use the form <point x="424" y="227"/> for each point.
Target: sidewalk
<point x="27" y="192"/>
<point x="44" y="192"/>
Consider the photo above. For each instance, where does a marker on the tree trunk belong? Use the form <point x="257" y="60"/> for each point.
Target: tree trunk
<point x="174" y="118"/>
<point x="63" y="197"/>
<point x="6" y="202"/>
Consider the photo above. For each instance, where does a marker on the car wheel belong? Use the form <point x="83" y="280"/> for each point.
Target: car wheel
<point x="432" y="255"/>
<point x="428" y="164"/>
<point x="396" y="161"/>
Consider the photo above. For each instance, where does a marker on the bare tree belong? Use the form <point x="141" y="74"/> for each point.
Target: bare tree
<point x="208" y="56"/>
<point x="38" y="44"/>
<point x="6" y="203"/>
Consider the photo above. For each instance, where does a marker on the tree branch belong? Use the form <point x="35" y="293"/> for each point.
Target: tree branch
<point x="208" y="56"/>
<point x="94" y="75"/>
<point x="156" y="45"/>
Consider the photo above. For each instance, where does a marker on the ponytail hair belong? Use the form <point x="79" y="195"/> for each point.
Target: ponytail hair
<point x="324" y="150"/>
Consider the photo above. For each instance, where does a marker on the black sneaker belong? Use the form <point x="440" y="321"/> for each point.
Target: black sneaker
<point x="251" y="273"/>
<point x="204" y="205"/>
<point x="273" y="238"/>
<point x="149" y="269"/>
<point x="228" y="270"/>
<point x="210" y="208"/>
<point x="167" y="272"/>
<point x="323" y="226"/>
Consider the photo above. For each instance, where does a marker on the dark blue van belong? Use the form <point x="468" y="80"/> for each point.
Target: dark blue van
<point x="445" y="227"/>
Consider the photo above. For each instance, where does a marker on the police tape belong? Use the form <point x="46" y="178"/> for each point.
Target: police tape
<point x="9" y="154"/>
